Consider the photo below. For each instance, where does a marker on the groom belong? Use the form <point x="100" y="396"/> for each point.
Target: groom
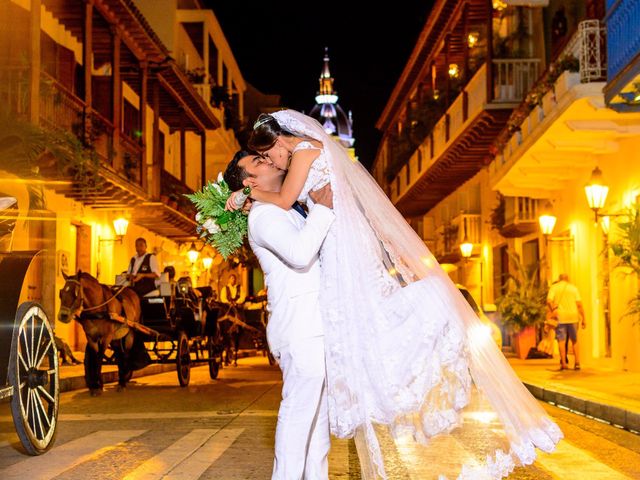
<point x="287" y="247"/>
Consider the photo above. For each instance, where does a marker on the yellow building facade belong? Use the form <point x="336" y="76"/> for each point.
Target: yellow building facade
<point x="154" y="128"/>
<point x="556" y="131"/>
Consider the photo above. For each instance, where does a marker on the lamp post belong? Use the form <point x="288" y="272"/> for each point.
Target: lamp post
<point x="466" y="249"/>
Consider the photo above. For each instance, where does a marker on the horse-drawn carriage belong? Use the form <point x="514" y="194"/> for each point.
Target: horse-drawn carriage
<point x="174" y="324"/>
<point x="28" y="354"/>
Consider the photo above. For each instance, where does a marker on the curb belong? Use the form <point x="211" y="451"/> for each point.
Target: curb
<point x="614" y="415"/>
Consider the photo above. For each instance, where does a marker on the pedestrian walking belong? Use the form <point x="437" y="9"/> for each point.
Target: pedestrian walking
<point x="564" y="297"/>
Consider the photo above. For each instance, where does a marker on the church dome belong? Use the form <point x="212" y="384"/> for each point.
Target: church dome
<point x="327" y="111"/>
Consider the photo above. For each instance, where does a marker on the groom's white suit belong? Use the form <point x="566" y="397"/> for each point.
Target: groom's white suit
<point x="287" y="248"/>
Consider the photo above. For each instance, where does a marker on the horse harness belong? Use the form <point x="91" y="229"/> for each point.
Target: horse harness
<point x="85" y="315"/>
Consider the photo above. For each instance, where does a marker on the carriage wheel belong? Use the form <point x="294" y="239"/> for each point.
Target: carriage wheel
<point x="214" y="365"/>
<point x="33" y="373"/>
<point x="183" y="360"/>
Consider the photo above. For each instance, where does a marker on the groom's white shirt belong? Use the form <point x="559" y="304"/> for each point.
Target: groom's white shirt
<point x="287" y="248"/>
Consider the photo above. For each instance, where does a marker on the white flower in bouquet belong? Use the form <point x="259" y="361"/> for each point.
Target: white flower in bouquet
<point x="211" y="226"/>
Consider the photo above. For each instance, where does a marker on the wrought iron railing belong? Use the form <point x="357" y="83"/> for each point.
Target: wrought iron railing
<point x="588" y="45"/>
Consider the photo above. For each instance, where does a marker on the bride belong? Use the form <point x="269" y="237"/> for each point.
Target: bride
<point x="404" y="350"/>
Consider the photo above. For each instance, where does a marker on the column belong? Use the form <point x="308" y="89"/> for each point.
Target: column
<point x="34" y="50"/>
<point x="142" y="107"/>
<point x="156" y="166"/>
<point x="489" y="6"/>
<point x="87" y="55"/>
<point x="116" y="99"/>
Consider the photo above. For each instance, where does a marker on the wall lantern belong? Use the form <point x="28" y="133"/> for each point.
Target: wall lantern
<point x="192" y="253"/>
<point x="466" y="248"/>
<point x="454" y="70"/>
<point x="207" y="262"/>
<point x="472" y="39"/>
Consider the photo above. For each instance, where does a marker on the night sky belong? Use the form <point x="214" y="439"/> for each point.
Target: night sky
<point x="279" y="46"/>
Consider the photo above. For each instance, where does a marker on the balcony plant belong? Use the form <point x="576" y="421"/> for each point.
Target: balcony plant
<point x="523" y="306"/>
<point x="497" y="216"/>
<point x="626" y="249"/>
<point x="197" y="76"/>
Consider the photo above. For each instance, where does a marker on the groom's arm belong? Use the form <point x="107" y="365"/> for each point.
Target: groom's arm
<point x="272" y="229"/>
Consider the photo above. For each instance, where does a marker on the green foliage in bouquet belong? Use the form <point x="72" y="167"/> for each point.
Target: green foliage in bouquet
<point x="224" y="230"/>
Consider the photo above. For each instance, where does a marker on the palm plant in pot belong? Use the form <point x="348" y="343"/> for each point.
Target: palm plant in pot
<point x="523" y="305"/>
<point x="626" y="249"/>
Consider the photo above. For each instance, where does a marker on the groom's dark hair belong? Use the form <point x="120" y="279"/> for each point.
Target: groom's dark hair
<point x="234" y="175"/>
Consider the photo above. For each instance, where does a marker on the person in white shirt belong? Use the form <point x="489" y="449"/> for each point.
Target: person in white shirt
<point x="565" y="297"/>
<point x="233" y="293"/>
<point x="287" y="248"/>
<point x="143" y="271"/>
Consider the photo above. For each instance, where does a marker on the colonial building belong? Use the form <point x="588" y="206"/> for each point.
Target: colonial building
<point x="153" y="94"/>
<point x="329" y="113"/>
<point x="518" y="138"/>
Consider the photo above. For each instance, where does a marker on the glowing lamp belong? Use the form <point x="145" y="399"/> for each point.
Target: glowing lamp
<point x="207" y="262"/>
<point x="454" y="70"/>
<point x="193" y="254"/>
<point x="120" y="226"/>
<point x="466" y="248"/>
<point x="499" y="5"/>
<point x="596" y="191"/>
<point x="472" y="39"/>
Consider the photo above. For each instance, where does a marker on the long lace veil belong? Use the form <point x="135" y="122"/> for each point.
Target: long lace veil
<point x="404" y="348"/>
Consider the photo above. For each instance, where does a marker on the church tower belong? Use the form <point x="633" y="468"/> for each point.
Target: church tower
<point x="327" y="111"/>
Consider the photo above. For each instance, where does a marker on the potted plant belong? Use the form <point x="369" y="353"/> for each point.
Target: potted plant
<point x="523" y="306"/>
<point x="626" y="249"/>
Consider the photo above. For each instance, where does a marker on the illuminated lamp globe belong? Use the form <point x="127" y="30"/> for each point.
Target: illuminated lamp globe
<point x="193" y="254"/>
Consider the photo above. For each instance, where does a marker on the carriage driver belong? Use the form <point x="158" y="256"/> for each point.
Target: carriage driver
<point x="143" y="271"/>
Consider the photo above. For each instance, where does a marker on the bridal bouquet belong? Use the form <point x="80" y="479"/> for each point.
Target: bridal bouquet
<point x="223" y="229"/>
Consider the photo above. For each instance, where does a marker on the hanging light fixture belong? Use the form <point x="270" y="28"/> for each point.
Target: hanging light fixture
<point x="192" y="253"/>
<point x="596" y="191"/>
<point x="547" y="220"/>
<point x="120" y="225"/>
<point x="207" y="262"/>
<point x="454" y="70"/>
<point x="466" y="248"/>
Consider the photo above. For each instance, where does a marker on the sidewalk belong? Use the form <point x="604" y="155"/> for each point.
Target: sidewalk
<point x="609" y="395"/>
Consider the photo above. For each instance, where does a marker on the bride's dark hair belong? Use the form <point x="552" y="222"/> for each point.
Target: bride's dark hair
<point x="265" y="133"/>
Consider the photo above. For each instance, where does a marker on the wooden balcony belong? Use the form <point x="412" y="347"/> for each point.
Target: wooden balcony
<point x="458" y="146"/>
<point x="174" y="215"/>
<point x="520" y="216"/>
<point x="451" y="235"/>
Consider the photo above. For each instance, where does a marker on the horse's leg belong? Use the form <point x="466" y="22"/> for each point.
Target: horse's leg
<point x="122" y="361"/>
<point x="93" y="369"/>
<point x="236" y="346"/>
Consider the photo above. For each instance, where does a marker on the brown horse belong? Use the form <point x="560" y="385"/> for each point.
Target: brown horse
<point x="92" y="304"/>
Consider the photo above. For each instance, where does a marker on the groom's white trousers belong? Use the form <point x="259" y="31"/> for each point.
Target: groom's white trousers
<point x="302" y="432"/>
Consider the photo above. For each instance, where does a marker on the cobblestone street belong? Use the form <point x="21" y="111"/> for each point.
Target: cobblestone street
<point x="224" y="430"/>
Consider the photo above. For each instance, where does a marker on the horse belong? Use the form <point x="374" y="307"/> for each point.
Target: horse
<point x="92" y="304"/>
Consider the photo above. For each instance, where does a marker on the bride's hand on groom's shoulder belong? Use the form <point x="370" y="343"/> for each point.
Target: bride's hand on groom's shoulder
<point x="323" y="196"/>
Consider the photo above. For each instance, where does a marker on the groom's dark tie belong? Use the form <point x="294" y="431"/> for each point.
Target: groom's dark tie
<point x="298" y="208"/>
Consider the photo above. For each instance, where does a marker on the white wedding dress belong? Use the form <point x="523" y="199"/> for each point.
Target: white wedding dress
<point x="403" y="348"/>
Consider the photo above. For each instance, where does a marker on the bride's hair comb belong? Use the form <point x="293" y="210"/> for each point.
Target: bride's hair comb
<point x="262" y="120"/>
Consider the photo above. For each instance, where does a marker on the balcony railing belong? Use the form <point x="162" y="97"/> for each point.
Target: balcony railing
<point x="513" y="78"/>
<point x="172" y="192"/>
<point x="464" y="227"/>
<point x="623" y="34"/>
<point x="520" y="210"/>
<point x="132" y="159"/>
<point x="588" y="46"/>
<point x="60" y="108"/>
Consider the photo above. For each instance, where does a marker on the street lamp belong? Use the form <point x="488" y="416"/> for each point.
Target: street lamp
<point x="192" y="253"/>
<point x="547" y="220"/>
<point x="466" y="248"/>
<point x="120" y="225"/>
<point x="596" y="191"/>
<point x="207" y="262"/>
